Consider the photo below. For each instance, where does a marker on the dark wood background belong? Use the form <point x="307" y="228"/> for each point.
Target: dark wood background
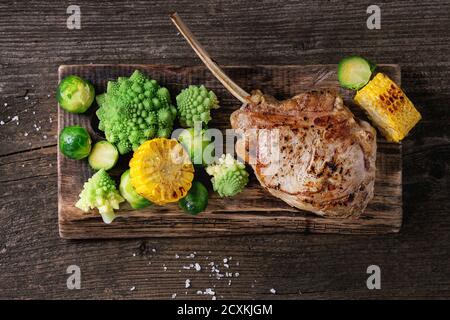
<point x="34" y="41"/>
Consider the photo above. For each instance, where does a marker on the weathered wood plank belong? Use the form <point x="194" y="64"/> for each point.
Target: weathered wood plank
<point x="34" y="42"/>
<point x="252" y="211"/>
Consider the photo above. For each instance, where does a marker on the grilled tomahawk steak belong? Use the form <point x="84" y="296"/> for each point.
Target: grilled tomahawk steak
<point x="320" y="158"/>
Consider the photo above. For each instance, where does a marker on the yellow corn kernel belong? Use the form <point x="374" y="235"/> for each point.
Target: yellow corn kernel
<point x="388" y="107"/>
<point x="161" y="171"/>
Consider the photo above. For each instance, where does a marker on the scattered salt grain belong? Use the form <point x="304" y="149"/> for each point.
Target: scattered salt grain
<point x="5" y="104"/>
<point x="2" y="123"/>
<point x="27" y="97"/>
<point x="153" y="250"/>
<point x="187" y="283"/>
<point x="225" y="260"/>
<point x="198" y="267"/>
<point x="209" y="291"/>
<point x="174" y="296"/>
<point x="236" y="274"/>
<point x="177" y="256"/>
<point x="214" y="298"/>
<point x="132" y="288"/>
<point x="273" y="291"/>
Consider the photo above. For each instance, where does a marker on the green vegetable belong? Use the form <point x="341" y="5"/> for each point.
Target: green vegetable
<point x="75" y="94"/>
<point x="198" y="145"/>
<point x="134" y="110"/>
<point x="100" y="192"/>
<point x="74" y="142"/>
<point x="103" y="156"/>
<point x="354" y="72"/>
<point x="194" y="104"/>
<point x="229" y="176"/>
<point x="127" y="191"/>
<point x="196" y="200"/>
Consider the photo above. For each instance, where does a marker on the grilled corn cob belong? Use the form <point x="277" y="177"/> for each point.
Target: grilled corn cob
<point x="388" y="107"/>
<point x="161" y="171"/>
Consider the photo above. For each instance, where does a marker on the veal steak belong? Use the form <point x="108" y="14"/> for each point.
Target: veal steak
<point x="309" y="151"/>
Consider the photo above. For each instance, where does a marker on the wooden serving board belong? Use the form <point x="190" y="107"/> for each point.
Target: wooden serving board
<point x="254" y="210"/>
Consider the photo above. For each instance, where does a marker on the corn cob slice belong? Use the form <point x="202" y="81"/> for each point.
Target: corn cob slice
<point x="388" y="107"/>
<point x="161" y="171"/>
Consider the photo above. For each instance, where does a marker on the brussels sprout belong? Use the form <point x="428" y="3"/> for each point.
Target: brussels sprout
<point x="354" y="72"/>
<point x="127" y="191"/>
<point x="74" y="142"/>
<point x="104" y="155"/>
<point x="196" y="200"/>
<point x="75" y="94"/>
<point x="198" y="145"/>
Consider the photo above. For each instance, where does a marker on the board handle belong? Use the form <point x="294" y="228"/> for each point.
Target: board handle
<point x="229" y="84"/>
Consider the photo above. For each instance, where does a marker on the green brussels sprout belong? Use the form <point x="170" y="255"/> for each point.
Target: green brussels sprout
<point x="127" y="191"/>
<point x="74" y="142"/>
<point x="196" y="200"/>
<point x="198" y="145"/>
<point x="74" y="94"/>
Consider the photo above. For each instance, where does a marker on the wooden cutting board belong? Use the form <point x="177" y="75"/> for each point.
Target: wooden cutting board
<point x="254" y="211"/>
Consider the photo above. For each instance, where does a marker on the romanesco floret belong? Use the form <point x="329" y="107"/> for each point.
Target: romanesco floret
<point x="194" y="104"/>
<point x="134" y="110"/>
<point x="100" y="192"/>
<point x="229" y="176"/>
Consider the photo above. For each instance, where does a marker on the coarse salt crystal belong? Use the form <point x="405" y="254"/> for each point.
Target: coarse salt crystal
<point x="273" y="291"/>
<point x="187" y="283"/>
<point x="174" y="296"/>
<point x="132" y="288"/>
<point x="198" y="267"/>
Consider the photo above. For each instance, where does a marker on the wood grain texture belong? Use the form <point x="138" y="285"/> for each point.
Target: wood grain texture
<point x="254" y="211"/>
<point x="34" y="40"/>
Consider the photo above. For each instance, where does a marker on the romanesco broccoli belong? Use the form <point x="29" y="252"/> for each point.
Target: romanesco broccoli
<point x="134" y="110"/>
<point x="229" y="176"/>
<point x="194" y="104"/>
<point x="100" y="192"/>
